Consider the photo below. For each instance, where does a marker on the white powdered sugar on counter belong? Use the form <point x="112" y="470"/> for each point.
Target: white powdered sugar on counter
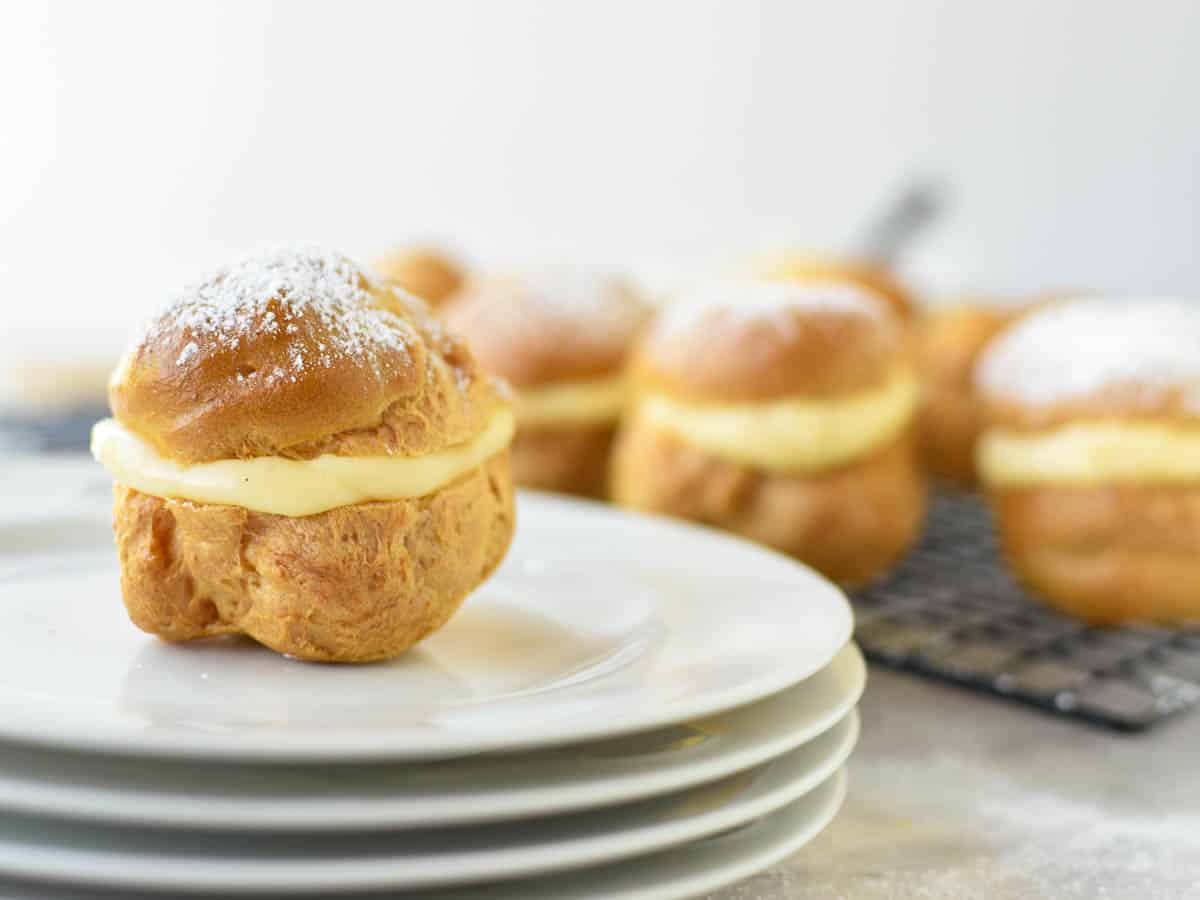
<point x="292" y="293"/>
<point x="1075" y="348"/>
<point x="1033" y="846"/>
<point x="953" y="797"/>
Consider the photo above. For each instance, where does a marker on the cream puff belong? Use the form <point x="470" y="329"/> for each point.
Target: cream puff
<point x="304" y="456"/>
<point x="782" y="412"/>
<point x="429" y="274"/>
<point x="948" y="343"/>
<point x="1091" y="456"/>
<point x="561" y="338"/>
<point x="809" y="269"/>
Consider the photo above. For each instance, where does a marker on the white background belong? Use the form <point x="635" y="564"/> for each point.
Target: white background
<point x="142" y="143"/>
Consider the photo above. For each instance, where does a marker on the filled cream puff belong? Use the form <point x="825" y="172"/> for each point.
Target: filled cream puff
<point x="810" y="268"/>
<point x="304" y="456"/>
<point x="948" y="343"/>
<point x="782" y="412"/>
<point x="1091" y="456"/>
<point x="561" y="338"/>
<point x="430" y="274"/>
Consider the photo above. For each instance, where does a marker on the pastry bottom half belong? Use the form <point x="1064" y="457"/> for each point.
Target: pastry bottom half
<point x="569" y="459"/>
<point x="950" y="421"/>
<point x="353" y="584"/>
<point x="1106" y="554"/>
<point x="851" y="523"/>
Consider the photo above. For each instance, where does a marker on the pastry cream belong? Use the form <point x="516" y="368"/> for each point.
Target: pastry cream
<point x="793" y="435"/>
<point x="292" y="487"/>
<point x="571" y="402"/>
<point x="1092" y="453"/>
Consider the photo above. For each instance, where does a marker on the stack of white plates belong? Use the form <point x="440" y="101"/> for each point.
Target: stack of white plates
<point x="630" y="708"/>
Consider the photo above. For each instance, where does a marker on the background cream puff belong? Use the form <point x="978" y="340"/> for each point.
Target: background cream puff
<point x="430" y="274"/>
<point x="1091" y="456"/>
<point x="782" y="412"/>
<point x="561" y="337"/>
<point x="811" y="268"/>
<point x="947" y="344"/>
<point x="304" y="456"/>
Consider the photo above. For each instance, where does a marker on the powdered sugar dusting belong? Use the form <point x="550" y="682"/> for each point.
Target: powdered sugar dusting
<point x="582" y="293"/>
<point x="769" y="302"/>
<point x="580" y="298"/>
<point x="598" y="304"/>
<point x="1075" y="348"/>
<point x="272" y="294"/>
<point x="190" y="350"/>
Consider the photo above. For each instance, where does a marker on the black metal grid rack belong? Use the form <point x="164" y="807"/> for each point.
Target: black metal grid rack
<point x="65" y="431"/>
<point x="952" y="611"/>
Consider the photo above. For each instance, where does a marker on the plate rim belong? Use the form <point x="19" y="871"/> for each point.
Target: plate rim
<point x="117" y="869"/>
<point x="690" y="870"/>
<point x="772" y="839"/>
<point x="125" y="806"/>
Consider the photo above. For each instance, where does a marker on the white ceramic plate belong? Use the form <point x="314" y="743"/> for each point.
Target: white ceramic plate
<point x="472" y="790"/>
<point x="153" y="859"/>
<point x="600" y="623"/>
<point x="692" y="870"/>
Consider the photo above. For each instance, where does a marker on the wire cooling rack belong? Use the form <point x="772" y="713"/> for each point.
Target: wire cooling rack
<point x="65" y="431"/>
<point x="951" y="611"/>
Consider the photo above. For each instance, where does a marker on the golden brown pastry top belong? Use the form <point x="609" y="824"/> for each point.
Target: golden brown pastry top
<point x="807" y="269"/>
<point x="748" y="341"/>
<point x="555" y="325"/>
<point x="431" y="275"/>
<point x="1095" y="359"/>
<point x="950" y="340"/>
<point x="299" y="353"/>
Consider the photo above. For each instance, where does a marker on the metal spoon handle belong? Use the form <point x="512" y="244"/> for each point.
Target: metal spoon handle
<point x="911" y="211"/>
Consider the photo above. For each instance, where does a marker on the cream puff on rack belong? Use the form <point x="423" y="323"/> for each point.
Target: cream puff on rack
<point x="429" y="274"/>
<point x="302" y="455"/>
<point x="561" y="338"/>
<point x="1091" y="456"/>
<point x="948" y="343"/>
<point x="782" y="412"/>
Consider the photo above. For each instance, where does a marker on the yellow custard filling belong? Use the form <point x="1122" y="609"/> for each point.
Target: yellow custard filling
<point x="572" y="402"/>
<point x="1092" y="453"/>
<point x="795" y="435"/>
<point x="293" y="487"/>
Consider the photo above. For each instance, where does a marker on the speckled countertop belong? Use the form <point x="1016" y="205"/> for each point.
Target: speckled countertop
<point x="955" y="795"/>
